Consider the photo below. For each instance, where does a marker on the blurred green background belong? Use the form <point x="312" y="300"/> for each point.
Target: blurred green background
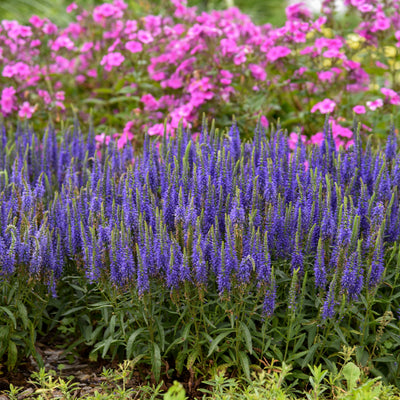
<point x="262" y="11"/>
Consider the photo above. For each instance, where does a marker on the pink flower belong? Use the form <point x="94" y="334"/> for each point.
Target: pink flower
<point x="71" y="7"/>
<point x="102" y="139"/>
<point x="373" y="105"/>
<point x="381" y="24"/>
<point x="357" y="3"/>
<point x="339" y="130"/>
<point x="60" y="95"/>
<point x="297" y="11"/>
<point x="26" y="110"/>
<point x="106" y="10"/>
<point x="300" y="72"/>
<point x="7" y="100"/>
<point x="388" y="92"/>
<point x="226" y="77"/>
<point x="126" y="136"/>
<point x="86" y="47"/>
<point x="158" y="129"/>
<point x="131" y="26"/>
<point x="364" y="8"/>
<point x="92" y="73"/>
<point x="318" y="138"/>
<point x="62" y="41"/>
<point x="359" y="109"/>
<point x="258" y="72"/>
<point x="36" y="21"/>
<point x="381" y="65"/>
<point x="326" y="76"/>
<point x="45" y="95"/>
<point x="264" y="121"/>
<point x="325" y="106"/>
<point x="35" y="43"/>
<point x="50" y="28"/>
<point x="144" y="36"/>
<point x="274" y="53"/>
<point x="111" y="60"/>
<point x="333" y="53"/>
<point x="239" y="58"/>
<point x="175" y="82"/>
<point x="133" y="46"/>
<point x="294" y="138"/>
<point x="150" y="102"/>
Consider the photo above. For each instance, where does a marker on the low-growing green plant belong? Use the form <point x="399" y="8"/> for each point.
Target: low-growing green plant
<point x="22" y="314"/>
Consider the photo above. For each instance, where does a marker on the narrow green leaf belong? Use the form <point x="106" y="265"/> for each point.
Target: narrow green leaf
<point x="192" y="357"/>
<point x="107" y="345"/>
<point x="131" y="341"/>
<point x="217" y="340"/>
<point x="247" y="337"/>
<point x="310" y="354"/>
<point x="244" y="362"/>
<point x="10" y="314"/>
<point x="23" y="314"/>
<point x="156" y="362"/>
<point x="12" y="355"/>
<point x="112" y="325"/>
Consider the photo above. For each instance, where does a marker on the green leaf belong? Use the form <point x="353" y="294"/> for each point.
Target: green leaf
<point x="104" y="91"/>
<point x="112" y="325"/>
<point x="310" y="355"/>
<point x="4" y="332"/>
<point x="362" y="356"/>
<point x="340" y="333"/>
<point x="244" y="362"/>
<point x="131" y="341"/>
<point x="386" y="359"/>
<point x="120" y="99"/>
<point x="192" y="357"/>
<point x="73" y="310"/>
<point x="297" y="355"/>
<point x="161" y="333"/>
<point x="94" y="101"/>
<point x="12" y="355"/>
<point x="247" y="337"/>
<point x="23" y="314"/>
<point x="299" y="342"/>
<point x="107" y="345"/>
<point x="10" y="314"/>
<point x="351" y="373"/>
<point x="217" y="340"/>
<point x="119" y="85"/>
<point x="156" y="362"/>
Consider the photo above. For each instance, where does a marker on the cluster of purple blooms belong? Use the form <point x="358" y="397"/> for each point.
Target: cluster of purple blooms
<point x="217" y="213"/>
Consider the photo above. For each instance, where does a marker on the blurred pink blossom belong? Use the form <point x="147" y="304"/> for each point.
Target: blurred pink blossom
<point x="373" y="105"/>
<point x="277" y="52"/>
<point x="26" y="110"/>
<point x="324" y="107"/>
<point x="145" y="37"/>
<point x="359" y="109"/>
<point x="133" y="46"/>
<point x="111" y="60"/>
<point x="8" y="100"/>
<point x="71" y="7"/>
<point x="258" y="72"/>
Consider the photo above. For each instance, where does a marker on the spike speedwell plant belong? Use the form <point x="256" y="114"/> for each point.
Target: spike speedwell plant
<point x="208" y="253"/>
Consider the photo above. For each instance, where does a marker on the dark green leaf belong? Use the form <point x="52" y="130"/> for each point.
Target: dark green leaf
<point x="217" y="340"/>
<point x="131" y="341"/>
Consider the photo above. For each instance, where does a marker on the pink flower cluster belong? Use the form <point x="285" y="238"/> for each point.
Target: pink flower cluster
<point x="135" y="72"/>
